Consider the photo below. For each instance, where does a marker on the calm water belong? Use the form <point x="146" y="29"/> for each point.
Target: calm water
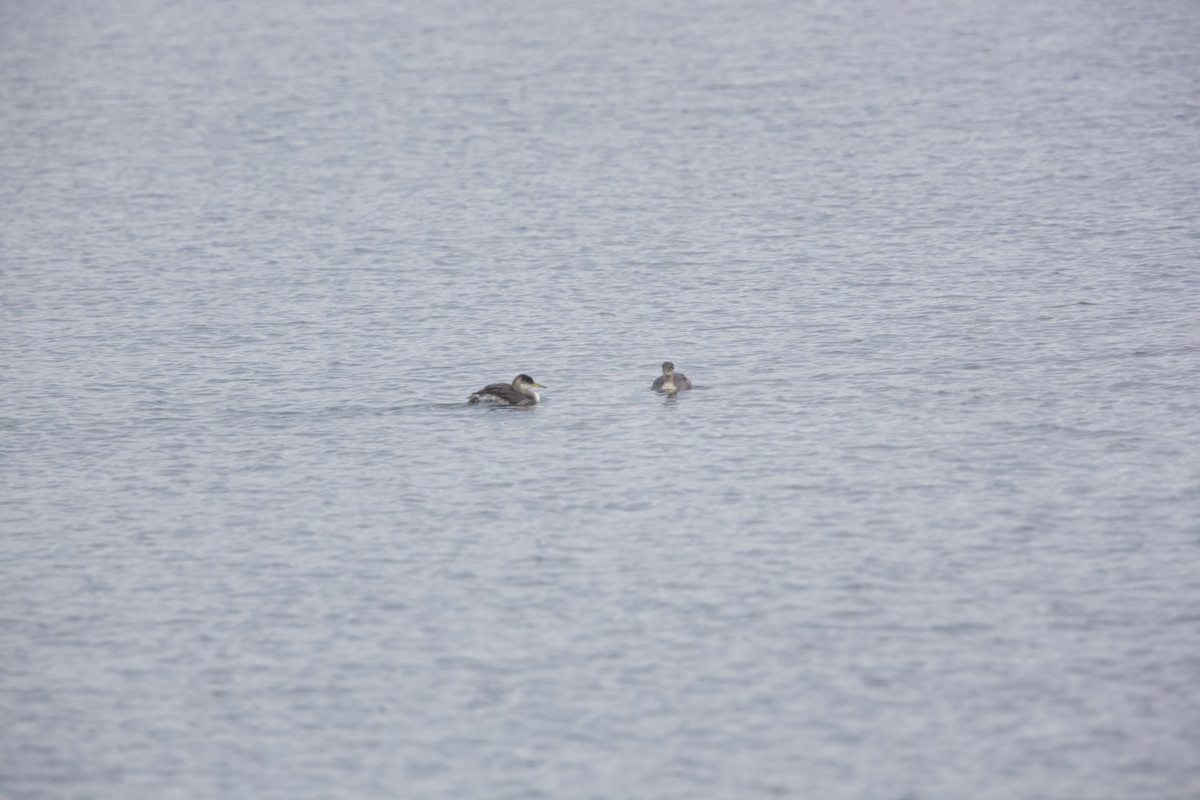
<point x="928" y="527"/>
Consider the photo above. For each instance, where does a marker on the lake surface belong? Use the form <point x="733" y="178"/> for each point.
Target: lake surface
<point x="927" y="527"/>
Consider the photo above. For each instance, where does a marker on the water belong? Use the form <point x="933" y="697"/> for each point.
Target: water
<point x="928" y="527"/>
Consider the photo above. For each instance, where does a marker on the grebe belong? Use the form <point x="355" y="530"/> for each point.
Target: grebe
<point x="671" y="381"/>
<point x="518" y="393"/>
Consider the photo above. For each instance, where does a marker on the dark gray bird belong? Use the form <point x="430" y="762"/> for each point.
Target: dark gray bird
<point x="671" y="381"/>
<point x="518" y="393"/>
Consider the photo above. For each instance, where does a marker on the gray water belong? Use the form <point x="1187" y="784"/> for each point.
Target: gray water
<point x="927" y="527"/>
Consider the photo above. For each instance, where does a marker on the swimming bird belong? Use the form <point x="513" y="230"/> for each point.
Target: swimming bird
<point x="518" y="393"/>
<point x="671" y="381"/>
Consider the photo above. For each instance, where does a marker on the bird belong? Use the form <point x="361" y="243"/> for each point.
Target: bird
<point x="518" y="393"/>
<point x="671" y="381"/>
